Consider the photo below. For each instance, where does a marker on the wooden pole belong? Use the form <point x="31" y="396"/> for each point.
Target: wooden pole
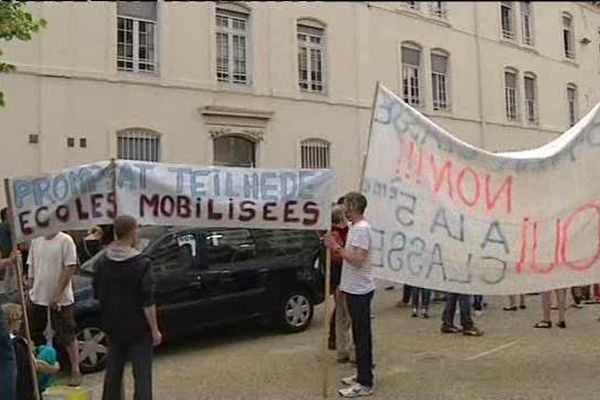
<point x="364" y="163"/>
<point x="327" y="315"/>
<point x="13" y="237"/>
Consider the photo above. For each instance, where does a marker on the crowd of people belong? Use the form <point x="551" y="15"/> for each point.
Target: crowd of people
<point x="124" y="285"/>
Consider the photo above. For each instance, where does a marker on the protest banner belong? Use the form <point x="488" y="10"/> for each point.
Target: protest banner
<point x="74" y="198"/>
<point x="188" y="195"/>
<point x="451" y="217"/>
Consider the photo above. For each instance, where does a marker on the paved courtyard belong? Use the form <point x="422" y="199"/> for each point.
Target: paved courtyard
<point x="512" y="361"/>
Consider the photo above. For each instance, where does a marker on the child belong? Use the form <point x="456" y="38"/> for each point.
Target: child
<point x="45" y="358"/>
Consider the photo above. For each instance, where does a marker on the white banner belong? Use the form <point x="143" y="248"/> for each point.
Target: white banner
<point x="74" y="198"/>
<point x="174" y="194"/>
<point x="451" y="217"/>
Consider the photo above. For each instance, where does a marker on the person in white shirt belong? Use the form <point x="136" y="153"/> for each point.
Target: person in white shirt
<point x="358" y="286"/>
<point x="52" y="263"/>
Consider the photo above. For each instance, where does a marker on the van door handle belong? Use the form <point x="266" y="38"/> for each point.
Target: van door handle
<point x="197" y="282"/>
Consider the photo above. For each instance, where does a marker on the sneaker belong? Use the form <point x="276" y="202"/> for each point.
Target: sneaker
<point x="356" y="390"/>
<point x="477" y="313"/>
<point x="424" y="313"/>
<point x="473" y="332"/>
<point x="415" y="313"/>
<point x="349" y="381"/>
<point x="449" y="329"/>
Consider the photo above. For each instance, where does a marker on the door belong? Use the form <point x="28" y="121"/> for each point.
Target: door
<point x="236" y="281"/>
<point x="181" y="293"/>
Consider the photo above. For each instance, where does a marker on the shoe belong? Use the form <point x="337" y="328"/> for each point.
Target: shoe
<point x="415" y="313"/>
<point x="576" y="305"/>
<point x="513" y="308"/>
<point x="343" y="360"/>
<point x="477" y="313"/>
<point x="561" y="324"/>
<point x="523" y="307"/>
<point x="349" y="381"/>
<point x="76" y="380"/>
<point x="356" y="390"/>
<point x="474" y="331"/>
<point x="543" y="325"/>
<point x="424" y="314"/>
<point x="388" y="288"/>
<point x="450" y="329"/>
<point x="331" y="344"/>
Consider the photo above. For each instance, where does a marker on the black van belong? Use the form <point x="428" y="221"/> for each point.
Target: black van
<point x="207" y="277"/>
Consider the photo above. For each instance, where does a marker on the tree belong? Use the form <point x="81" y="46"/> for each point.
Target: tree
<point x="15" y="23"/>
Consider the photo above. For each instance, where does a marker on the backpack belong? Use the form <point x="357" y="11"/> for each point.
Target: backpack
<point x="25" y="386"/>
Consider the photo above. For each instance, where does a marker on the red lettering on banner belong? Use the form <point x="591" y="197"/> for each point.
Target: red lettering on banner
<point x="312" y="210"/>
<point x="111" y="199"/>
<point x="505" y="188"/>
<point x="211" y="213"/>
<point x="534" y="251"/>
<point x="183" y="207"/>
<point x="153" y="202"/>
<point x="523" y="258"/>
<point x="438" y="176"/>
<point x="460" y="187"/>
<point x="584" y="265"/>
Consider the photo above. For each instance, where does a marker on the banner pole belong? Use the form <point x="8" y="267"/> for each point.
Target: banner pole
<point x="113" y="187"/>
<point x="364" y="163"/>
<point x="19" y="266"/>
<point x="326" y="323"/>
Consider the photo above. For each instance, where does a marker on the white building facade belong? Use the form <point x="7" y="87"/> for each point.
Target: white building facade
<point x="289" y="84"/>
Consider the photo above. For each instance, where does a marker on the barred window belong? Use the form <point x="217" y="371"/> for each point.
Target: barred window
<point x="508" y="18"/>
<point x="136" y="36"/>
<point x="530" y="98"/>
<point x="411" y="74"/>
<point x="439" y="80"/>
<point x="510" y="94"/>
<point x="438" y="9"/>
<point x="572" y="103"/>
<point x="232" y="47"/>
<point x="138" y="144"/>
<point x="568" y="35"/>
<point x="527" y="23"/>
<point x="311" y="57"/>
<point x="315" y="154"/>
<point x="412" y="4"/>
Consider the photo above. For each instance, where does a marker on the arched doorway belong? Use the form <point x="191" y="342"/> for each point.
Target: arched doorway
<point x="234" y="151"/>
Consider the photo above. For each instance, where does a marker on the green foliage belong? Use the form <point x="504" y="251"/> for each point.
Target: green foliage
<point x="16" y="23"/>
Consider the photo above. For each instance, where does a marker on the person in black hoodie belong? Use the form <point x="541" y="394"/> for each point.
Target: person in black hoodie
<point x="124" y="285"/>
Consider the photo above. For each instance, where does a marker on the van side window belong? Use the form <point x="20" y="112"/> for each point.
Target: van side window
<point x="229" y="245"/>
<point x="176" y="252"/>
<point x="284" y="242"/>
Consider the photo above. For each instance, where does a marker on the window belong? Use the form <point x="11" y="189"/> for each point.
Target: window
<point x="510" y="94"/>
<point x="568" y="36"/>
<point x="315" y="154"/>
<point x="530" y="98"/>
<point x="176" y="252"/>
<point x="411" y="74"/>
<point x="572" y="103"/>
<point x="232" y="46"/>
<point x="83" y="142"/>
<point x="527" y="23"/>
<point x="507" y="16"/>
<point x="311" y="56"/>
<point x="412" y="4"/>
<point x="138" y="144"/>
<point x="70" y="142"/>
<point x="439" y="80"/>
<point x="34" y="138"/>
<point x="225" y="246"/>
<point x="136" y="36"/>
<point x="234" y="151"/>
<point x="438" y="9"/>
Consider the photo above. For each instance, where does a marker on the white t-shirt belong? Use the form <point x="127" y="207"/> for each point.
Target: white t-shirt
<point x="47" y="258"/>
<point x="358" y="280"/>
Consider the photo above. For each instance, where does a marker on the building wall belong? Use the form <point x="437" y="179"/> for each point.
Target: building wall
<point x="68" y="84"/>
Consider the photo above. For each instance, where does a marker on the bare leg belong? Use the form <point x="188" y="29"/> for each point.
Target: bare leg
<point x="512" y="300"/>
<point x="522" y="300"/>
<point x="546" y="305"/>
<point x="74" y="359"/>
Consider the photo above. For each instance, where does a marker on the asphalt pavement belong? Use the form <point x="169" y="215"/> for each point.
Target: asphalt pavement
<point x="414" y="361"/>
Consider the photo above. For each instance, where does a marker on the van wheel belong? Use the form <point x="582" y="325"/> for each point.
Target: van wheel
<point x="93" y="349"/>
<point x="296" y="312"/>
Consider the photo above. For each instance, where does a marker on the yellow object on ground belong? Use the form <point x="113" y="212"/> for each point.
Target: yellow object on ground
<point x="66" y="393"/>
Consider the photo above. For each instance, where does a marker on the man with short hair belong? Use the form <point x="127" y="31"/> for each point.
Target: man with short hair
<point x="358" y="287"/>
<point x="52" y="263"/>
<point x="124" y="285"/>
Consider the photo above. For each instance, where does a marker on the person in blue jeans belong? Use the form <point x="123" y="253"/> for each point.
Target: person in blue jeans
<point x="420" y="297"/>
<point x="8" y="367"/>
<point x="466" y="321"/>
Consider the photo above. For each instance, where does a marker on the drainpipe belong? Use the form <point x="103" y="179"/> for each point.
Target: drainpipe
<point x="479" y="78"/>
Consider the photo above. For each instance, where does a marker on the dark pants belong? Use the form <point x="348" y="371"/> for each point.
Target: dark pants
<point x="464" y="303"/>
<point x="424" y="295"/>
<point x="478" y="302"/>
<point x="360" y="312"/>
<point x="406" y="292"/>
<point x="8" y="367"/>
<point x="332" y="327"/>
<point x="140" y="355"/>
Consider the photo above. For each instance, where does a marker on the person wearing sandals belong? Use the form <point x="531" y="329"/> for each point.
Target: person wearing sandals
<point x="561" y="298"/>
<point x="358" y="286"/>
<point x="512" y="303"/>
<point x="424" y="295"/>
<point x="466" y="321"/>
